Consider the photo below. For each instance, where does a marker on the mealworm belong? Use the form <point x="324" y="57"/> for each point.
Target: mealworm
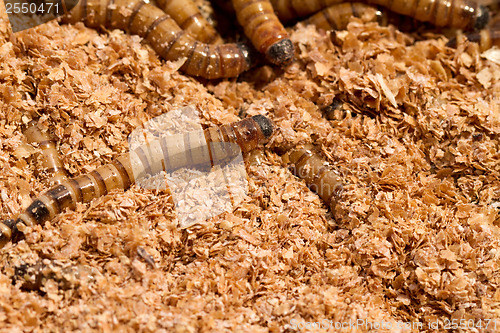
<point x="336" y="17"/>
<point x="34" y="277"/>
<point x="51" y="163"/>
<point x="189" y="18"/>
<point x="462" y="14"/>
<point x="264" y="29"/>
<point x="165" y="36"/>
<point x="486" y="38"/>
<point x="307" y="163"/>
<point x="287" y="10"/>
<point x="165" y="154"/>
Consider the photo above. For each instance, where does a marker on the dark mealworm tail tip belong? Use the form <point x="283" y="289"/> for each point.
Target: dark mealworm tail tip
<point x="265" y="125"/>
<point x="452" y="42"/>
<point x="281" y="52"/>
<point x="248" y="53"/>
<point x="483" y="17"/>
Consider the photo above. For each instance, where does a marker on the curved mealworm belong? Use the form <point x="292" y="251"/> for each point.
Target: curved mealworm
<point x="167" y="154"/>
<point x="189" y="18"/>
<point x="51" y="162"/>
<point x="164" y="35"/>
<point x="462" y="14"/>
<point x="307" y="163"/>
<point x="264" y="30"/>
<point x="287" y="10"/>
<point x="337" y="17"/>
<point x="486" y="38"/>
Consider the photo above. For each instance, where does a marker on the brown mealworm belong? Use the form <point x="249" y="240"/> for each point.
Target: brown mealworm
<point x="336" y="17"/>
<point x="164" y="35"/>
<point x="51" y="163"/>
<point x="167" y="154"/>
<point x="34" y="277"/>
<point x="462" y="14"/>
<point x="287" y="10"/>
<point x="264" y="30"/>
<point x="189" y="18"/>
<point x="307" y="163"/>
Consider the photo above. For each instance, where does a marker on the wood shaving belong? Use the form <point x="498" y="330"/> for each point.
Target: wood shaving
<point x="415" y="237"/>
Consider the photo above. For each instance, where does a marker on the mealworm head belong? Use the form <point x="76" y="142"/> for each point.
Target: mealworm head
<point x="482" y="18"/>
<point x="265" y="125"/>
<point x="281" y="52"/>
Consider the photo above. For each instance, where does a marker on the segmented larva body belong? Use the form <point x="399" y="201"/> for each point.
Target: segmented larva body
<point x="34" y="277"/>
<point x="188" y="17"/>
<point x="462" y="14"/>
<point x="287" y="10"/>
<point x="51" y="163"/>
<point x="264" y="30"/>
<point x="307" y="163"/>
<point x="167" y="153"/>
<point x="486" y="38"/>
<point x="337" y="17"/>
<point x="164" y="35"/>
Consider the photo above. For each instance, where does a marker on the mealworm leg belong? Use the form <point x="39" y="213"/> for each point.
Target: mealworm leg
<point x="146" y="256"/>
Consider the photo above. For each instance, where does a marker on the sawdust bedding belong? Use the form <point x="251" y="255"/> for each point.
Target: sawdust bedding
<point x="414" y="239"/>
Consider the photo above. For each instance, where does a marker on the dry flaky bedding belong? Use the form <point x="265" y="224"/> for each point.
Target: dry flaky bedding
<point x="414" y="239"/>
